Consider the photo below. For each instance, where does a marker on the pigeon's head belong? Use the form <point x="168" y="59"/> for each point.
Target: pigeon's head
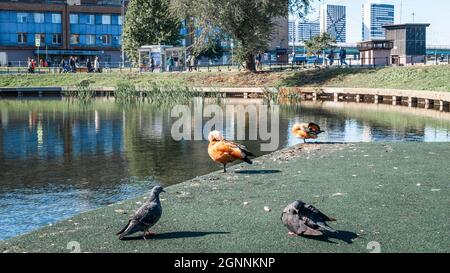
<point x="157" y="190"/>
<point x="298" y="204"/>
<point x="215" y="136"/>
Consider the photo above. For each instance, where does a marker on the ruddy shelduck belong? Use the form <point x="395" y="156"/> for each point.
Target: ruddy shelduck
<point x="224" y="152"/>
<point x="306" y="131"/>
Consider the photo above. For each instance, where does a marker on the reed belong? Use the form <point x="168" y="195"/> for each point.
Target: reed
<point x="82" y="92"/>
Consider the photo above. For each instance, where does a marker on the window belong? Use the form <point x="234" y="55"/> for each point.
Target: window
<point x="90" y="39"/>
<point x="120" y="20"/>
<point x="106" y="19"/>
<point x="106" y="39"/>
<point x="57" y="39"/>
<point x="39" y="18"/>
<point x="22" y="17"/>
<point x="74" y="18"/>
<point x="56" y="18"/>
<point x="21" y="38"/>
<point x="42" y="37"/>
<point x="74" y="39"/>
<point x="90" y="19"/>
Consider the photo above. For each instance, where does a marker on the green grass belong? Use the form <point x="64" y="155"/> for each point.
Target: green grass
<point x="435" y="78"/>
<point x="395" y="194"/>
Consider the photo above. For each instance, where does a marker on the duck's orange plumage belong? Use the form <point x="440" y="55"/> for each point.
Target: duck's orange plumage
<point x="306" y="131"/>
<point x="224" y="152"/>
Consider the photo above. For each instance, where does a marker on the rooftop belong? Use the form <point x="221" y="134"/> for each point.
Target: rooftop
<point x="405" y="26"/>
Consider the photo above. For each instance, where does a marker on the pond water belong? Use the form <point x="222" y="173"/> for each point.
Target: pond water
<point x="59" y="158"/>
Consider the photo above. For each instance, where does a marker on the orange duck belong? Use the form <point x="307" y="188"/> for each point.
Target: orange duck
<point x="306" y="131"/>
<point x="224" y="152"/>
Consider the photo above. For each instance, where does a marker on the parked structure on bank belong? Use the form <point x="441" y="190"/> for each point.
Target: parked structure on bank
<point x="409" y="43"/>
<point x="375" y="52"/>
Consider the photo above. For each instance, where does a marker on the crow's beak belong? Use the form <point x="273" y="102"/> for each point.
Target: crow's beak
<point x="163" y="191"/>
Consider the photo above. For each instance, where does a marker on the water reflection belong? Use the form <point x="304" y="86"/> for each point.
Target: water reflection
<point x="58" y="159"/>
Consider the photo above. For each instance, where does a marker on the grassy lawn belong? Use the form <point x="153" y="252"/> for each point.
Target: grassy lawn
<point x="434" y="78"/>
<point x="392" y="194"/>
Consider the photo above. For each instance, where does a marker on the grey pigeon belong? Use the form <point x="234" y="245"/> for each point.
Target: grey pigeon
<point x="146" y="216"/>
<point x="303" y="219"/>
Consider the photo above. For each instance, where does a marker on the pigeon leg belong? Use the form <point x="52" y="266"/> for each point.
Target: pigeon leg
<point x="304" y="140"/>
<point x="224" y="168"/>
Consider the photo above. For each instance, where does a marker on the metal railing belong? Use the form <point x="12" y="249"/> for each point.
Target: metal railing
<point x="117" y="67"/>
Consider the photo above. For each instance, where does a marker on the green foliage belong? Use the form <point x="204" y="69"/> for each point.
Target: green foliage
<point x="212" y="51"/>
<point x="149" y="22"/>
<point x="166" y="93"/>
<point x="162" y="93"/>
<point x="318" y="44"/>
<point x="82" y="92"/>
<point x="249" y="23"/>
<point x="126" y="92"/>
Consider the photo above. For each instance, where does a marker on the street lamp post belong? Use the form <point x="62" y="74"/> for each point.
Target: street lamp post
<point x="293" y="41"/>
<point x="122" y="14"/>
<point x="232" y="51"/>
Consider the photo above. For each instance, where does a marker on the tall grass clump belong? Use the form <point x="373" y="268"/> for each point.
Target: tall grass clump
<point x="165" y="93"/>
<point x="126" y="92"/>
<point x="82" y="92"/>
<point x="271" y="95"/>
<point x="158" y="93"/>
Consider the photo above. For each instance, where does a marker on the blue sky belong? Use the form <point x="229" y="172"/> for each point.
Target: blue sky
<point x="435" y="12"/>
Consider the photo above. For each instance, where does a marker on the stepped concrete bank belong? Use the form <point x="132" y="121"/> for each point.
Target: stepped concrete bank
<point x="438" y="100"/>
<point x="391" y="197"/>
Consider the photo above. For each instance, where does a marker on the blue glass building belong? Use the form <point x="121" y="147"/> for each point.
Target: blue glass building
<point x="375" y="16"/>
<point x="82" y="28"/>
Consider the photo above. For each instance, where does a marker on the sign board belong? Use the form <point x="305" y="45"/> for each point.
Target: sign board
<point x="37" y="40"/>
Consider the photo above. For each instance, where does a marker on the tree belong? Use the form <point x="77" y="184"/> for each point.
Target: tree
<point x="213" y="51"/>
<point x="318" y="44"/>
<point x="249" y="23"/>
<point x="149" y="22"/>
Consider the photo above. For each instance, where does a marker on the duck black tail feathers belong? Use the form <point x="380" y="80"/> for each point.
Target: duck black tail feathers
<point x="247" y="160"/>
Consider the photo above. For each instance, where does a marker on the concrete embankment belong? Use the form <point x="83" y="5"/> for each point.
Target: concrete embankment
<point x="391" y="195"/>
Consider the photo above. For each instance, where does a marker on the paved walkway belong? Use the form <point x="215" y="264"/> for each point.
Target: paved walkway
<point x="392" y="195"/>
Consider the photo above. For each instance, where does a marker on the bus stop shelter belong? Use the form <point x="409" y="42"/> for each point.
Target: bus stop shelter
<point x="163" y="56"/>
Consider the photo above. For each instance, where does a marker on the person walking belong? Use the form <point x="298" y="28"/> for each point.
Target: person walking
<point x="171" y="64"/>
<point x="62" y="65"/>
<point x="72" y="64"/>
<point x="188" y="63"/>
<point x="96" y="65"/>
<point x="343" y="56"/>
<point x="152" y="64"/>
<point x="192" y="63"/>
<point x="29" y="65"/>
<point x="259" y="62"/>
<point x="89" y="65"/>
<point x="33" y="65"/>
<point x="331" y="57"/>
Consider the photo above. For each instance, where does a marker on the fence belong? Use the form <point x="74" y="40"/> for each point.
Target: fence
<point x="117" y="67"/>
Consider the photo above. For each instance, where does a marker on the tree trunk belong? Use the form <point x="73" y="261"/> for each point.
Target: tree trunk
<point x="250" y="63"/>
